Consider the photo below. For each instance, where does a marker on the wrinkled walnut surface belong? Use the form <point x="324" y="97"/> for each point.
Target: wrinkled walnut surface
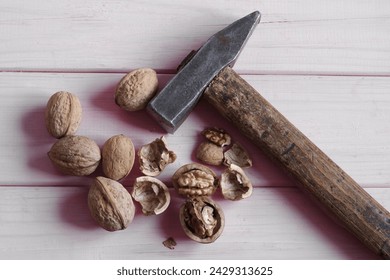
<point x="152" y="194"/>
<point x="237" y="155"/>
<point x="202" y="219"/>
<point x="155" y="156"/>
<point x="195" y="179"/>
<point x="110" y="204"/>
<point x="136" y="89"/>
<point x="210" y="153"/>
<point x="75" y="155"/>
<point x="235" y="184"/>
<point x="63" y="114"/>
<point x="118" y="156"/>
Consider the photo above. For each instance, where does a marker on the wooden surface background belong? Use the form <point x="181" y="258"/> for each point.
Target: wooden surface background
<point x="324" y="64"/>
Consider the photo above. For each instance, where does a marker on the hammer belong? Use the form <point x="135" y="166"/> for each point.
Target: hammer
<point x="208" y="73"/>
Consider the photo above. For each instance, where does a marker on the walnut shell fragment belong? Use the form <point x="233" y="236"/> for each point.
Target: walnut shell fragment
<point x="202" y="219"/>
<point x="110" y="204"/>
<point x="75" y="155"/>
<point x="118" y="156"/>
<point x="152" y="194"/>
<point x="235" y="184"/>
<point x="155" y="156"/>
<point x="237" y="155"/>
<point x="136" y="89"/>
<point x="210" y="153"/>
<point x="63" y="114"/>
<point x="195" y="179"/>
<point x="217" y="136"/>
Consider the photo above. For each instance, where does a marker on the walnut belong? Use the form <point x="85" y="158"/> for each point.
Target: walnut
<point x="217" y="136"/>
<point x="202" y="219"/>
<point x="154" y="157"/>
<point x="152" y="194"/>
<point x="63" y="114"/>
<point x="136" y="89"/>
<point x="210" y="153"/>
<point x="118" y="156"/>
<point x="110" y="204"/>
<point x="195" y="180"/>
<point x="75" y="155"/>
<point x="237" y="155"/>
<point x="235" y="184"/>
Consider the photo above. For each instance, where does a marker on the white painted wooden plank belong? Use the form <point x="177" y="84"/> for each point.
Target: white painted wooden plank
<point x="275" y="223"/>
<point x="347" y="117"/>
<point x="301" y="36"/>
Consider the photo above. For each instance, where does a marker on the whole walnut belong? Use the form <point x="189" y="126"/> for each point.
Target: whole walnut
<point x="63" y="114"/>
<point x="136" y="89"/>
<point x="75" y="155"/>
<point x="210" y="153"/>
<point x="110" y="204"/>
<point x="118" y="156"/>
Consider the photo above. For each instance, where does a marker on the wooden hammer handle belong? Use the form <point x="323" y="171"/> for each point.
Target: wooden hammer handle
<point x="316" y="173"/>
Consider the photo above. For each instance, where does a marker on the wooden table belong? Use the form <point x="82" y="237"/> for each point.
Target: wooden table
<point x="324" y="64"/>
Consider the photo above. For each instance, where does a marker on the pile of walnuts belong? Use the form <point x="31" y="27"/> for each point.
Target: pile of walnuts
<point x="110" y="204"/>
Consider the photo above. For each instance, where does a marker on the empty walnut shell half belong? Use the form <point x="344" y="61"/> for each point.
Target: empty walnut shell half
<point x="217" y="136"/>
<point x="195" y="179"/>
<point x="110" y="204"/>
<point x="202" y="219"/>
<point x="154" y="157"/>
<point x="235" y="184"/>
<point x="152" y="194"/>
<point x="237" y="155"/>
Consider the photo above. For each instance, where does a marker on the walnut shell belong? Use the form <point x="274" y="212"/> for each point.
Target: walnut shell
<point x="110" y="204"/>
<point x="217" y="136"/>
<point x="202" y="219"/>
<point x="75" y="155"/>
<point x="235" y="184"/>
<point x="118" y="156"/>
<point x="237" y="155"/>
<point x="63" y="114"/>
<point x="152" y="194"/>
<point x="195" y="179"/>
<point x="210" y="153"/>
<point x="154" y="157"/>
<point x="136" y="89"/>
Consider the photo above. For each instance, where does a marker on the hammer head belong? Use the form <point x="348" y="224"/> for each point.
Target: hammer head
<point x="176" y="100"/>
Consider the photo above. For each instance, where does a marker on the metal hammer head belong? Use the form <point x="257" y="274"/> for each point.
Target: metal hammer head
<point x="175" y="101"/>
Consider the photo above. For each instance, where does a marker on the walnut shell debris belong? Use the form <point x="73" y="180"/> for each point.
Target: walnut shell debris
<point x="152" y="194"/>
<point x="217" y="136"/>
<point x="237" y="155"/>
<point x="235" y="184"/>
<point x="210" y="153"/>
<point x="202" y="219"/>
<point x="155" y="156"/>
<point x="195" y="179"/>
<point x="75" y="155"/>
<point x="136" y="89"/>
<point x="118" y="156"/>
<point x="63" y="114"/>
<point x="110" y="204"/>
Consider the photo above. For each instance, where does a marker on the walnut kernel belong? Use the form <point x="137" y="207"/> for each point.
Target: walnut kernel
<point x="195" y="180"/>
<point x="217" y="136"/>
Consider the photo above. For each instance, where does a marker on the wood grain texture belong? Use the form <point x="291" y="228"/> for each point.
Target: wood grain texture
<point x="99" y="35"/>
<point x="316" y="173"/>
<point x="323" y="64"/>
